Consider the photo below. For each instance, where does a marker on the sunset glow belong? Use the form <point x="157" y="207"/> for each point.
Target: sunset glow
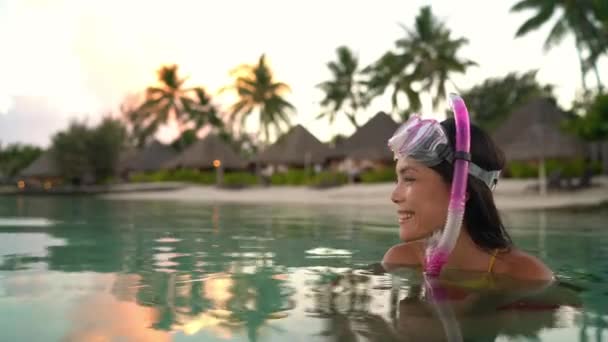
<point x="85" y="57"/>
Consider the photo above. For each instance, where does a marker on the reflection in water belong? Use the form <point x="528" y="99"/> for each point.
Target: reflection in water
<point x="427" y="309"/>
<point x="102" y="316"/>
<point x="226" y="302"/>
<point x="439" y="300"/>
<point x="542" y="233"/>
<point x="162" y="271"/>
<point x="25" y="222"/>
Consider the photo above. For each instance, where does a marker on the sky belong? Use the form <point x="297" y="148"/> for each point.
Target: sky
<point x="77" y="59"/>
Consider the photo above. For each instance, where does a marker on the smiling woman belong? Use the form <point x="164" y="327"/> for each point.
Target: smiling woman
<point x="422" y="196"/>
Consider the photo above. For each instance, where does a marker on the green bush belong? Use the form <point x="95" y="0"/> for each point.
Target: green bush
<point x="291" y="177"/>
<point x="160" y="176"/>
<point x="302" y="177"/>
<point x="382" y="175"/>
<point x="521" y="170"/>
<point x="144" y="177"/>
<point x="569" y="168"/>
<point x="194" y="176"/>
<point x="239" y="179"/>
<point x="182" y="175"/>
<point x="327" y="179"/>
<point x="596" y="167"/>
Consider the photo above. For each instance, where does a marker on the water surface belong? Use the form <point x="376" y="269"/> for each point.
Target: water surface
<point x="89" y="269"/>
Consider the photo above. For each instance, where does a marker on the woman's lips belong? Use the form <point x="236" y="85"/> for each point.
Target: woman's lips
<point x="405" y="215"/>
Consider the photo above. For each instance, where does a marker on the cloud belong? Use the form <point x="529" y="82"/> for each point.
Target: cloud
<point x="85" y="56"/>
<point x="33" y="120"/>
<point x="6" y="103"/>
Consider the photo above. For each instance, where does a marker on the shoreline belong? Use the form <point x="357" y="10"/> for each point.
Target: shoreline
<point x="510" y="195"/>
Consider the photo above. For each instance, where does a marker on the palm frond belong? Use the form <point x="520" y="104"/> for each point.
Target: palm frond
<point x="241" y="108"/>
<point x="536" y="21"/>
<point x="556" y="35"/>
<point x="526" y="5"/>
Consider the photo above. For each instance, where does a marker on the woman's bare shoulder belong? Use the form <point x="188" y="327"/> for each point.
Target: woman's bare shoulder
<point x="409" y="253"/>
<point x="521" y="265"/>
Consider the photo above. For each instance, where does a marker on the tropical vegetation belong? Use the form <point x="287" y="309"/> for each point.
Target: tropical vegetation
<point x="171" y="102"/>
<point x="490" y="102"/>
<point x="424" y="60"/>
<point x="259" y="92"/>
<point x="592" y="123"/>
<point x="584" y="20"/>
<point x="345" y="92"/>
<point x="81" y="151"/>
<point x="15" y="157"/>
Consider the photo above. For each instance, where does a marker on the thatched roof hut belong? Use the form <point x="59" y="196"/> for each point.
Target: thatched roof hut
<point x="202" y="154"/>
<point x="124" y="160"/>
<point x="150" y="158"/>
<point x="298" y="147"/>
<point x="369" y="142"/>
<point x="43" y="167"/>
<point x="533" y="131"/>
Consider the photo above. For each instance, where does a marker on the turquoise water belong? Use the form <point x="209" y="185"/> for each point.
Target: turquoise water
<point x="81" y="269"/>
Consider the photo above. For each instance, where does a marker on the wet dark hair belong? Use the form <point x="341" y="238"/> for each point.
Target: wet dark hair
<point x="482" y="220"/>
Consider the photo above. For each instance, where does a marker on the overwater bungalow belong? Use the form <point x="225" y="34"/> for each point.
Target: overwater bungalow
<point x="41" y="173"/>
<point x="533" y="132"/>
<point x="297" y="148"/>
<point x="367" y="148"/>
<point x="208" y="153"/>
<point x="151" y="158"/>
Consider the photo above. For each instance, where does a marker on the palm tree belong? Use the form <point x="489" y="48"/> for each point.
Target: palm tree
<point x="202" y="111"/>
<point x="170" y="101"/>
<point x="599" y="46"/>
<point x="576" y="17"/>
<point x="425" y="57"/>
<point x="269" y="294"/>
<point x="344" y="92"/>
<point x="257" y="90"/>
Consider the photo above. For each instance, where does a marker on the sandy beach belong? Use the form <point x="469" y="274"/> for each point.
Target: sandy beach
<point x="510" y="195"/>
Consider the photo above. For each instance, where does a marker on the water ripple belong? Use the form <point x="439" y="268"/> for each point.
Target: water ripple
<point x="26" y="222"/>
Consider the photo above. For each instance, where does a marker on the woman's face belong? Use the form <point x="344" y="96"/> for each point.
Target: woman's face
<point x="422" y="199"/>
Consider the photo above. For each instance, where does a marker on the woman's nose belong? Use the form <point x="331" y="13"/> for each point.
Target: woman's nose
<point x="397" y="195"/>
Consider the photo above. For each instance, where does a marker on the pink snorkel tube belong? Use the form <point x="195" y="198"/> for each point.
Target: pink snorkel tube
<point x="437" y="255"/>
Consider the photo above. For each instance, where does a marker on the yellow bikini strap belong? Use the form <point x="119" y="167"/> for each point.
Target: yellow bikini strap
<point x="492" y="260"/>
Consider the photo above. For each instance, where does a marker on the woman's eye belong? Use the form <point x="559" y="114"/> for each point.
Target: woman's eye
<point x="408" y="179"/>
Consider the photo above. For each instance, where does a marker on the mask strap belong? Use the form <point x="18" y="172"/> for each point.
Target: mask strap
<point x="490" y="178"/>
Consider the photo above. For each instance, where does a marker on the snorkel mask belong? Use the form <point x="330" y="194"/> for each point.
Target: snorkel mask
<point x="425" y="141"/>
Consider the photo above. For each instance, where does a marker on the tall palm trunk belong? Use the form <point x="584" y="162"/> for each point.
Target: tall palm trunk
<point x="581" y="60"/>
<point x="596" y="71"/>
<point x="353" y="119"/>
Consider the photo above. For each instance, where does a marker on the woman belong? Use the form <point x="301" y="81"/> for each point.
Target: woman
<point x="422" y="195"/>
